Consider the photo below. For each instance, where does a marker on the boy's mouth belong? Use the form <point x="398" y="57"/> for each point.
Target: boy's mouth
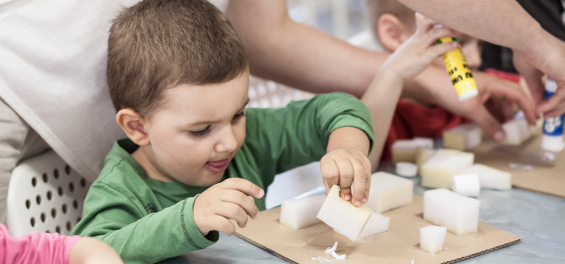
<point x="219" y="165"/>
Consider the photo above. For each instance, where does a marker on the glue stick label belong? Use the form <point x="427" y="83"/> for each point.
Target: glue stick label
<point x="458" y="70"/>
<point x="552" y="126"/>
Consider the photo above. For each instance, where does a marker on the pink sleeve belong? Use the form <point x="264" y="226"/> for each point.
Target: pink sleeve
<point x="43" y="248"/>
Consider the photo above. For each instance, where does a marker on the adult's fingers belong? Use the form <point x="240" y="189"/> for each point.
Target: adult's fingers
<point x="488" y="123"/>
<point x="555" y="105"/>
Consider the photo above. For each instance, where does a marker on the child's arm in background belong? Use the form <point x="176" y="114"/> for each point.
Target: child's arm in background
<point x="406" y="62"/>
<point x="93" y="251"/>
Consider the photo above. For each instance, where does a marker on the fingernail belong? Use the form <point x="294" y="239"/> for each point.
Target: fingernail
<point x="348" y="197"/>
<point x="499" y="135"/>
<point x="357" y="203"/>
<point x="261" y="193"/>
<point x="364" y="200"/>
<point x="256" y="216"/>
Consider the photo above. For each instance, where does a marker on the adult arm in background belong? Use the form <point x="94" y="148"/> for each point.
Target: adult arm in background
<point x="306" y="58"/>
<point x="504" y="22"/>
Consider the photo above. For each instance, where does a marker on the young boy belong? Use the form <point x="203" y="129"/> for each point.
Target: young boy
<point x="392" y="24"/>
<point x="195" y="157"/>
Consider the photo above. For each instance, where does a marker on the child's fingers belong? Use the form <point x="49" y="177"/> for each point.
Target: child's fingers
<point x="241" y="200"/>
<point x="233" y="211"/>
<point x="360" y="175"/>
<point x="330" y="173"/>
<point x="223" y="225"/>
<point x="242" y="185"/>
<point x="439" y="49"/>
<point x="346" y="175"/>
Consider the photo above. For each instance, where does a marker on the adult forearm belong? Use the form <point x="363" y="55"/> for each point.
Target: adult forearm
<point x="503" y="22"/>
<point x="298" y="55"/>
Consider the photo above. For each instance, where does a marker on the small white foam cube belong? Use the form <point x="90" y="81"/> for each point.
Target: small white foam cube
<point x="343" y="216"/>
<point x="300" y="213"/>
<point x="466" y="184"/>
<point x="438" y="171"/>
<point x="463" y="137"/>
<point x="490" y="177"/>
<point x="377" y="224"/>
<point x="432" y="238"/>
<point x="389" y="191"/>
<point x="517" y="131"/>
<point x="405" y="149"/>
<point x="406" y="169"/>
<point x="460" y="214"/>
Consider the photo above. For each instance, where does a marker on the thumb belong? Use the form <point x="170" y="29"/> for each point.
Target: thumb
<point x="488" y="123"/>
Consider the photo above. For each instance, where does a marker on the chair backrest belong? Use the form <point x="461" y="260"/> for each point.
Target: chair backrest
<point x="45" y="195"/>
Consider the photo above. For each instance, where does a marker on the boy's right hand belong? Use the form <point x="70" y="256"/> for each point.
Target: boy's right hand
<point x="420" y="49"/>
<point x="225" y="201"/>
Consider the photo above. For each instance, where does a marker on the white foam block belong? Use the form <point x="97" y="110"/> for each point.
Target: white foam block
<point x="388" y="191"/>
<point x="376" y="225"/>
<point x="463" y="137"/>
<point x="517" y="131"/>
<point x="300" y="213"/>
<point x="423" y="155"/>
<point x="466" y="184"/>
<point x="406" y="169"/>
<point x="438" y="171"/>
<point x="460" y="214"/>
<point x="432" y="238"/>
<point x="490" y="177"/>
<point x="343" y="216"/>
<point x="405" y="149"/>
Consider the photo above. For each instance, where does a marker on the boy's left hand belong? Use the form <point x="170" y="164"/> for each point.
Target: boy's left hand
<point x="349" y="168"/>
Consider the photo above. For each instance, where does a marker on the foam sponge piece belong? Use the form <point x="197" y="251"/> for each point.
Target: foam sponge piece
<point x="405" y="149"/>
<point x="407" y="169"/>
<point x="432" y="238"/>
<point x="466" y="184"/>
<point x="463" y="137"/>
<point x="343" y="216"/>
<point x="300" y="213"/>
<point x="438" y="171"/>
<point x="517" y="131"/>
<point x="388" y="191"/>
<point x="460" y="214"/>
<point x="490" y="177"/>
<point x="377" y="224"/>
<point x="423" y="155"/>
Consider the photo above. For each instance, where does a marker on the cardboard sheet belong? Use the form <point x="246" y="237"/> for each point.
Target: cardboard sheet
<point x="532" y="168"/>
<point x="400" y="244"/>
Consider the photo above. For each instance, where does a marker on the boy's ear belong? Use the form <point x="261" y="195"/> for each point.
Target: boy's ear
<point x="392" y="32"/>
<point x="133" y="125"/>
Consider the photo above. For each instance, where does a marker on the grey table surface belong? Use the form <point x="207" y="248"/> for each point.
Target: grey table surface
<point x="537" y="218"/>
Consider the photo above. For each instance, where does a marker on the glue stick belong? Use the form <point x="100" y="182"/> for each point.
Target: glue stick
<point x="552" y="139"/>
<point x="459" y="71"/>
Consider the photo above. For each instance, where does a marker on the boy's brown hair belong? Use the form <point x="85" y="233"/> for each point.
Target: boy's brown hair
<point x="159" y="44"/>
<point x="376" y="8"/>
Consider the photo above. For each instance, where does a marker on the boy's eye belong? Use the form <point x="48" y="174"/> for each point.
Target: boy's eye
<point x="239" y="115"/>
<point x="199" y="133"/>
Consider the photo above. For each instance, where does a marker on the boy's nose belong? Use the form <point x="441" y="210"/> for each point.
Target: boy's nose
<point x="227" y="141"/>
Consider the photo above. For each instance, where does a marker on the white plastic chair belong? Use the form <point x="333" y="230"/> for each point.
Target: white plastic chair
<point x="45" y="195"/>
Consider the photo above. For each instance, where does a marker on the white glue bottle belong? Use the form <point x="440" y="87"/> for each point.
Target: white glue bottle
<point x="552" y="139"/>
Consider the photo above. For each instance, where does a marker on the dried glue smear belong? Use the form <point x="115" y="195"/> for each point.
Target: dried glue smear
<point x="331" y="251"/>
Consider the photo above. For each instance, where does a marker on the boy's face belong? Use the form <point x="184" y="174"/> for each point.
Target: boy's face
<point x="196" y="132"/>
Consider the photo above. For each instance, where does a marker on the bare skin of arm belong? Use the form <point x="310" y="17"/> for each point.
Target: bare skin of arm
<point x="308" y="59"/>
<point x="504" y="22"/>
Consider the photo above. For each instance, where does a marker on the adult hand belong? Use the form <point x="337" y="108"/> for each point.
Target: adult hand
<point x="548" y="60"/>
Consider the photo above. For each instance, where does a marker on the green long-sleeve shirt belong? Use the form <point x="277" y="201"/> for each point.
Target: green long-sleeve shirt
<point x="146" y="220"/>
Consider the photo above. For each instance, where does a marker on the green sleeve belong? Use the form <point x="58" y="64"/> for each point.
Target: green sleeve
<point x="118" y="219"/>
<point x="298" y="134"/>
